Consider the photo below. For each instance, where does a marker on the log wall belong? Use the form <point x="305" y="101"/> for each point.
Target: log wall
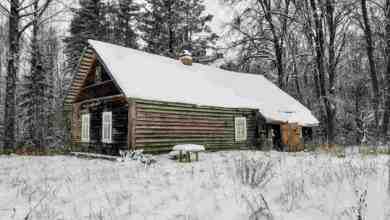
<point x="158" y="126"/>
<point x="119" y="127"/>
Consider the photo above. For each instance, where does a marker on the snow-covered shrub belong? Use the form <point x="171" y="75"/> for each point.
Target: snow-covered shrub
<point x="252" y="172"/>
<point x="293" y="191"/>
<point x="388" y="176"/>
<point x="258" y="207"/>
<point x="358" y="211"/>
<point x="354" y="171"/>
<point x="361" y="208"/>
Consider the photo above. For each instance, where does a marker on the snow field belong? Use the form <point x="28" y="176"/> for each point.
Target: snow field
<point x="301" y="186"/>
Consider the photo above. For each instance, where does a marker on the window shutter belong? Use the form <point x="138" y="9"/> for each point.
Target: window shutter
<point x="85" y="125"/>
<point x="240" y="129"/>
<point x="107" y="127"/>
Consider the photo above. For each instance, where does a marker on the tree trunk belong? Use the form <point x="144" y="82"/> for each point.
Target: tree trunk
<point x="320" y="51"/>
<point x="371" y="60"/>
<point x="171" y="32"/>
<point x="37" y="85"/>
<point x="387" y="76"/>
<point x="329" y="100"/>
<point x="13" y="57"/>
<point x="277" y="40"/>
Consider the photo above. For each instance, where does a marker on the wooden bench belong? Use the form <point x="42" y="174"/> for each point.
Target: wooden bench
<point x="186" y="150"/>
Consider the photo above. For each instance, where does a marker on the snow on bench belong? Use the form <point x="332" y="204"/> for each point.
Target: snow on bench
<point x="187" y="149"/>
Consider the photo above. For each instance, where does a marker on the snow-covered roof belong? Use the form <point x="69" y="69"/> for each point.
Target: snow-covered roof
<point x="148" y="76"/>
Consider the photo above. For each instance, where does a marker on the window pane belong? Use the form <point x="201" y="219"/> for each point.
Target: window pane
<point x="107" y="126"/>
<point x="240" y="128"/>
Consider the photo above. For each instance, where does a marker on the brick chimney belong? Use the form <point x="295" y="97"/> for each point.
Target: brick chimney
<point x="186" y="58"/>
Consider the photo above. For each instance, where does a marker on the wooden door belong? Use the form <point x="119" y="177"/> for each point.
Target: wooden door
<point x="291" y="136"/>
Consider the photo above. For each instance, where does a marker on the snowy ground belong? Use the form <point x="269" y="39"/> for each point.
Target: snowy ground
<point x="303" y="186"/>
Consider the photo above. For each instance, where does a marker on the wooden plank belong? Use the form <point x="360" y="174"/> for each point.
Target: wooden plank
<point x="170" y="116"/>
<point x="75" y="122"/>
<point x="83" y="73"/>
<point x="171" y="144"/>
<point x="189" y="109"/>
<point x="171" y="128"/>
<point x="86" y="68"/>
<point x="78" y="84"/>
<point x="181" y="140"/>
<point x="88" y="60"/>
<point x="161" y="125"/>
<point x="178" y="123"/>
<point x="131" y="125"/>
<point x="174" y="119"/>
<point x="146" y="111"/>
<point x="191" y="135"/>
<point x="90" y="55"/>
<point x="178" y="133"/>
<point x="177" y="104"/>
<point x="181" y="109"/>
<point x="113" y="97"/>
<point x="93" y="86"/>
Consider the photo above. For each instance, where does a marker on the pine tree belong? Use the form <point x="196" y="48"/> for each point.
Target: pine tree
<point x="124" y="18"/>
<point x="35" y="100"/>
<point x="39" y="90"/>
<point x="88" y="22"/>
<point x="194" y="34"/>
<point x="170" y="26"/>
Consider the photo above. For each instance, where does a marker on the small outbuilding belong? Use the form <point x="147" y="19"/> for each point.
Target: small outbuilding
<point x="124" y="99"/>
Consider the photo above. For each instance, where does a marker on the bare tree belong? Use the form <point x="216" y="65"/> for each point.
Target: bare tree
<point x="278" y="36"/>
<point x="387" y="72"/>
<point x="18" y="10"/>
<point x="262" y="28"/>
<point x="365" y="25"/>
<point x="326" y="22"/>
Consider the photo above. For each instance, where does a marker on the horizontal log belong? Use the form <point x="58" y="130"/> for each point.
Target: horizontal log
<point x="89" y="55"/>
<point x="82" y="74"/>
<point x="81" y="68"/>
<point x="71" y="94"/>
<point x="182" y="128"/>
<point x="189" y="109"/>
<point x="173" y="119"/>
<point x="97" y="85"/>
<point x="181" y="140"/>
<point x="88" y="60"/>
<point x="180" y="132"/>
<point x="169" y="117"/>
<point x="212" y="147"/>
<point x="154" y="102"/>
<point x="144" y="113"/>
<point x="169" y="144"/>
<point x="191" y="135"/>
<point x="179" y="123"/>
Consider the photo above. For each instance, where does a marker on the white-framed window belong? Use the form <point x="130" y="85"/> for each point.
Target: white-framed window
<point x="107" y="127"/>
<point x="85" y="124"/>
<point x="240" y="128"/>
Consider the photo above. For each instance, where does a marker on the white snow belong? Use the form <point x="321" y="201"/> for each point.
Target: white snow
<point x="304" y="187"/>
<point x="189" y="147"/>
<point x="147" y="76"/>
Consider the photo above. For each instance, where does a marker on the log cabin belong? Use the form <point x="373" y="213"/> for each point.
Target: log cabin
<point x="126" y="99"/>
